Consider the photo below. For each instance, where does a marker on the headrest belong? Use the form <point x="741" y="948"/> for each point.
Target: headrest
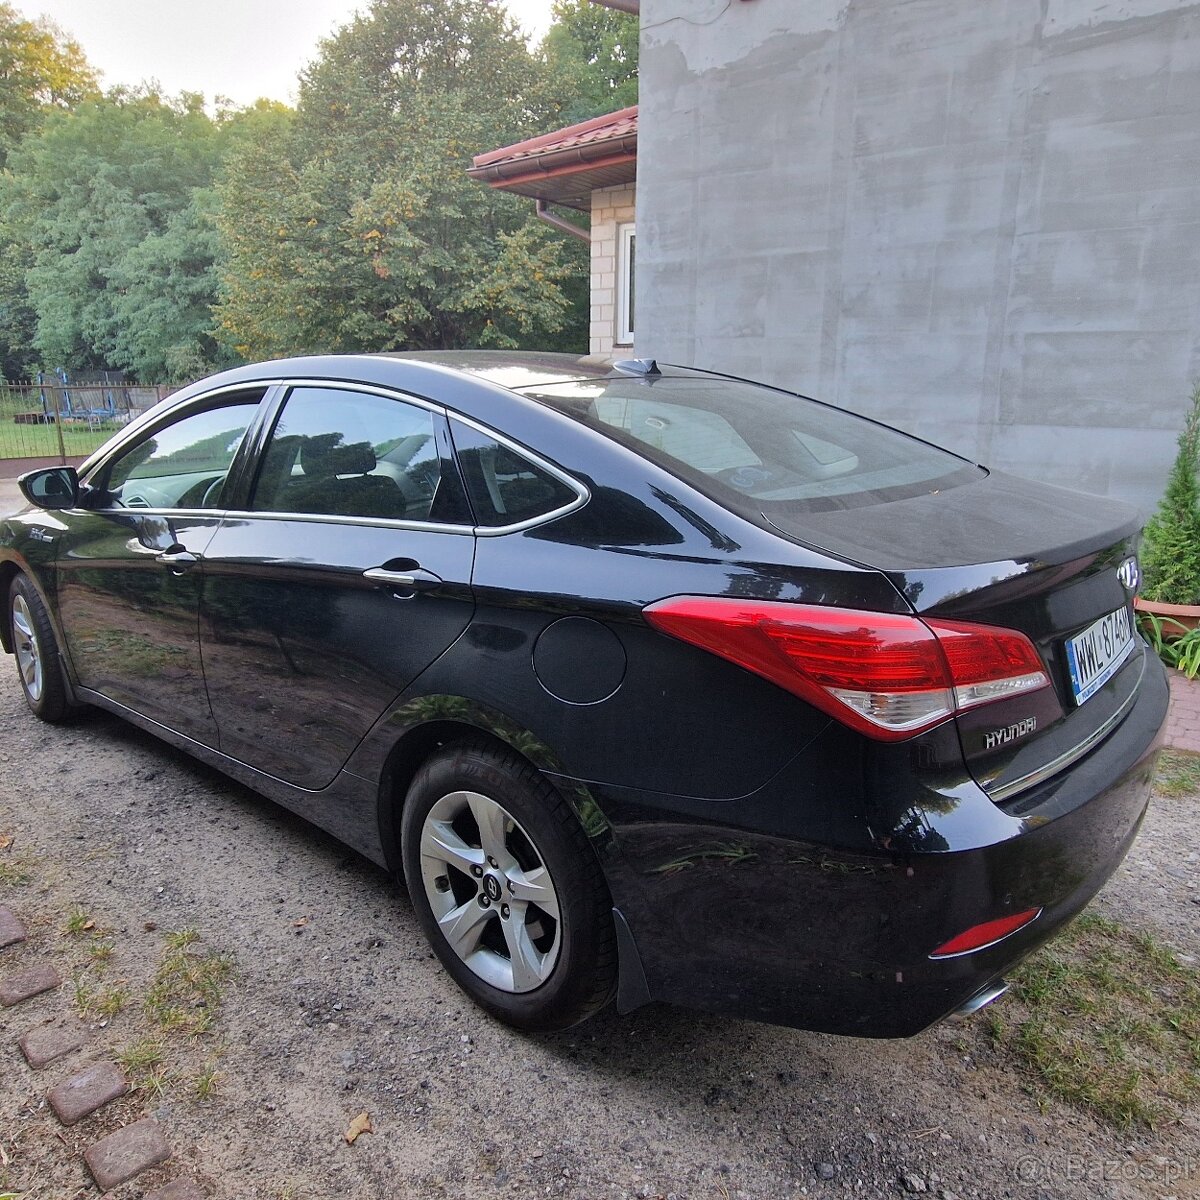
<point x="320" y="460"/>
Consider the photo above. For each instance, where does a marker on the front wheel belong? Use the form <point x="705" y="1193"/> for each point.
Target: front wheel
<point x="507" y="889"/>
<point x="36" y="652"/>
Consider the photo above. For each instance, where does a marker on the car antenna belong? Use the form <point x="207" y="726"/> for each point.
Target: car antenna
<point x="637" y="366"/>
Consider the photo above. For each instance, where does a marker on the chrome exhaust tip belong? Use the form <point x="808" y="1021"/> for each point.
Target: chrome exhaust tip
<point x="982" y="999"/>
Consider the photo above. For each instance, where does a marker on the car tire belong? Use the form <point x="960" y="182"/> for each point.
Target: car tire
<point x="36" y="651"/>
<point x="507" y="888"/>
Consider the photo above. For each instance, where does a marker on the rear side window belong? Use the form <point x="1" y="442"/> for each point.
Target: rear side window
<point x="744" y="443"/>
<point x="505" y="487"/>
<point x="335" y="452"/>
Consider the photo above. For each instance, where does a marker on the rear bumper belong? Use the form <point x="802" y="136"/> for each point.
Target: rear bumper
<point x="733" y="909"/>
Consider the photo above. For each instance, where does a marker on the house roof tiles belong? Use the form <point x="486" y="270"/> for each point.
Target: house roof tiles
<point x="566" y="165"/>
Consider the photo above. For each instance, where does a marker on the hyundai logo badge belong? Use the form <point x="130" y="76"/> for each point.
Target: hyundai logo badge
<point x="1130" y="574"/>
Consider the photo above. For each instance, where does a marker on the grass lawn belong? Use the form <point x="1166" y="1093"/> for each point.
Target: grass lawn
<point x="1109" y="1019"/>
<point x="41" y="441"/>
<point x="1178" y="774"/>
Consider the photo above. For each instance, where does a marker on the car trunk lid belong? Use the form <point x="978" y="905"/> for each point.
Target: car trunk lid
<point x="1051" y="563"/>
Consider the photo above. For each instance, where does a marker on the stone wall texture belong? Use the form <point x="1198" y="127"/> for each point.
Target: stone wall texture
<point x="977" y="221"/>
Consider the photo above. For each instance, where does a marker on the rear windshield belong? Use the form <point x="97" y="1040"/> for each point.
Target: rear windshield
<point x="741" y="442"/>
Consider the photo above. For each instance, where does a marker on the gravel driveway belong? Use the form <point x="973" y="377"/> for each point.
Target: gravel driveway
<point x="336" y="1007"/>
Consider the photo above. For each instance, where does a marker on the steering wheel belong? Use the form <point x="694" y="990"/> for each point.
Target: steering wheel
<point x="212" y="492"/>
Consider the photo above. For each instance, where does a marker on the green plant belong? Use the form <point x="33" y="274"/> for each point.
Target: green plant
<point x="1175" y="644"/>
<point x="1171" y="548"/>
<point x="187" y="987"/>
<point x="207" y="1082"/>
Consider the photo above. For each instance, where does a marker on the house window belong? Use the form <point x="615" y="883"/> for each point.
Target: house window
<point x="626" y="250"/>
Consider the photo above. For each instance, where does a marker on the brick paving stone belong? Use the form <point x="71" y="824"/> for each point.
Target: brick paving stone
<point x="11" y="929"/>
<point x="82" y="1094"/>
<point x="119" y="1157"/>
<point x="178" y="1189"/>
<point x="44" y="1043"/>
<point x="1183" y="718"/>
<point x="29" y="983"/>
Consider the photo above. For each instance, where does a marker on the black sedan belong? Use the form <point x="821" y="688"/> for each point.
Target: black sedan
<point x="650" y="683"/>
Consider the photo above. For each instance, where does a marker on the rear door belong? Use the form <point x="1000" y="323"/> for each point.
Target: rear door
<point x="345" y="572"/>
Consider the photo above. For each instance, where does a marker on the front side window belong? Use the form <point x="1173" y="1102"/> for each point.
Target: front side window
<point x="183" y="464"/>
<point x="339" y="453"/>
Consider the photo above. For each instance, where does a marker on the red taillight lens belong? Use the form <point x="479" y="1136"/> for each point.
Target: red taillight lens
<point x="988" y="663"/>
<point x="979" y="937"/>
<point x="887" y="675"/>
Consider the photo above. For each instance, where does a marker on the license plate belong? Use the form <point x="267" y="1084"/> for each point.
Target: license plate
<point x="1095" y="655"/>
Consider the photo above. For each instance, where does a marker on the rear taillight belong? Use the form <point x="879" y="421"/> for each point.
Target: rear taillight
<point x="887" y="675"/>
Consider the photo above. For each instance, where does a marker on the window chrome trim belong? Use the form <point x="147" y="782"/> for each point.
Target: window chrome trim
<point x="1008" y="790"/>
<point x="582" y="493"/>
<point x="133" y="431"/>
<point x="220" y="514"/>
<point x="370" y="389"/>
<point x="332" y="519"/>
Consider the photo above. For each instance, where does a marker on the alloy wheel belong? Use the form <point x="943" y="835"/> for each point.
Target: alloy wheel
<point x="490" y="891"/>
<point x="29" y="654"/>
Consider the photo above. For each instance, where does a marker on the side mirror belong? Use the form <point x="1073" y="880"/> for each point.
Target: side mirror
<point x="51" y="487"/>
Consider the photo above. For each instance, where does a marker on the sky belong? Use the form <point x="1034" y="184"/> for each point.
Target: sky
<point x="240" y="49"/>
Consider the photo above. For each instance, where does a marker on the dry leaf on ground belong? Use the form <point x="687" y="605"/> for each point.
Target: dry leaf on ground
<point x="360" y="1124"/>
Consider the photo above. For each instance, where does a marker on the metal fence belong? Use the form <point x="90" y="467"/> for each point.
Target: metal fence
<point x="65" y="421"/>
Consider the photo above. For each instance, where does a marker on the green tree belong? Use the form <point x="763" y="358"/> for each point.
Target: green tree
<point x="40" y="68"/>
<point x="354" y="225"/>
<point x="1171" y="548"/>
<point x="592" y="56"/>
<point x="18" y="321"/>
<point x="113" y="201"/>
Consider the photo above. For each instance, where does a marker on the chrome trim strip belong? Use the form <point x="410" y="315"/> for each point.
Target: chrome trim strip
<point x="1065" y="759"/>
<point x="220" y="514"/>
<point x="329" y="519"/>
<point x="371" y="389"/>
<point x="215" y="513"/>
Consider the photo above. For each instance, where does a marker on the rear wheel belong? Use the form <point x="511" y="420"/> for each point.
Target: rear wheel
<point x="36" y="652"/>
<point x="507" y="889"/>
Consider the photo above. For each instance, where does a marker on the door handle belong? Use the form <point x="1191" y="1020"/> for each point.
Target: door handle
<point x="178" y="561"/>
<point x="415" y="579"/>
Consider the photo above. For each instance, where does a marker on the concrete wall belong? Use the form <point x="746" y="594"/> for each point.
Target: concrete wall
<point x="611" y="208"/>
<point x="978" y="221"/>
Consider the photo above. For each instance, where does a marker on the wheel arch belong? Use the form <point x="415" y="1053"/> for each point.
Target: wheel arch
<point x="434" y="722"/>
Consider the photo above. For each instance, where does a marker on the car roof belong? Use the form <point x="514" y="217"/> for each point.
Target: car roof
<point x="471" y="381"/>
<point x="513" y="369"/>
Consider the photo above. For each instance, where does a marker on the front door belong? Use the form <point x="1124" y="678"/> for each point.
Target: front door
<point x="346" y="576"/>
<point x="130" y="563"/>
